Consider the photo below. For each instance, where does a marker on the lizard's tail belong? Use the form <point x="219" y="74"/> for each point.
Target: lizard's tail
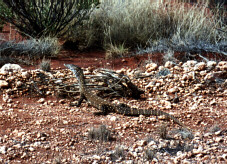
<point x="126" y="110"/>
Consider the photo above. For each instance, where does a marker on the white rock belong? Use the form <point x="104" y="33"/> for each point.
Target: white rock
<point x="169" y="64"/>
<point x="3" y="150"/>
<point x="58" y="81"/>
<point x="212" y="76"/>
<point x="200" y="66"/>
<point x="173" y="90"/>
<point x="222" y="65"/>
<point x="11" y="68"/>
<point x="219" y="139"/>
<point x="190" y="63"/>
<point x="31" y="149"/>
<point x="5" y="97"/>
<point x="203" y="73"/>
<point x="25" y="75"/>
<point x="211" y="64"/>
<point x="188" y="76"/>
<point x="142" y="143"/>
<point x="198" y="151"/>
<point x="151" y="67"/>
<point x="113" y="118"/>
<point x="19" y="83"/>
<point x="3" y="84"/>
<point x="42" y="100"/>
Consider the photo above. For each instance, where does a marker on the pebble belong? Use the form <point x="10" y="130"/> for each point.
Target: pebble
<point x="41" y="101"/>
<point x="3" y="84"/>
<point x="25" y="75"/>
<point x="11" y="68"/>
<point x="3" y="150"/>
<point x="151" y="67"/>
<point x="200" y="66"/>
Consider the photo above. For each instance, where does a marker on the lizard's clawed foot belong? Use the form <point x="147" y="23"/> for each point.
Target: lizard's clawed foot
<point x="74" y="104"/>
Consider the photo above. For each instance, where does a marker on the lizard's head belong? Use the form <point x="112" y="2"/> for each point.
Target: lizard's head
<point x="77" y="71"/>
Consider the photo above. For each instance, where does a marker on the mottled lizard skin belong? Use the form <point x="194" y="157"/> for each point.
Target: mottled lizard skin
<point x="106" y="106"/>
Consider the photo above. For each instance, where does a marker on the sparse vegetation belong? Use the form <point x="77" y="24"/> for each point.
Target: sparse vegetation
<point x="4" y="12"/>
<point x="155" y="27"/>
<point x="46" y="18"/>
<point x="163" y="131"/>
<point x="45" y="65"/>
<point x="149" y="154"/>
<point x="118" y="153"/>
<point x="169" y="56"/>
<point x="32" y="48"/>
<point x="101" y="133"/>
<point x="116" y="51"/>
<point x="185" y="134"/>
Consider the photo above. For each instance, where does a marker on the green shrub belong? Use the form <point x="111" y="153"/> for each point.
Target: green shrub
<point x="4" y="12"/>
<point x="41" y="18"/>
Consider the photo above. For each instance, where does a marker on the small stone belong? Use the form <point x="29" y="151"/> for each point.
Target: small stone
<point x="24" y="155"/>
<point x="3" y="150"/>
<point x="173" y="90"/>
<point x="218" y="132"/>
<point x="190" y="63"/>
<point x="31" y="149"/>
<point x="142" y="143"/>
<point x="211" y="64"/>
<point x="96" y="157"/>
<point x="200" y="66"/>
<point x="19" y="84"/>
<point x="113" y="118"/>
<point x="58" y="81"/>
<point x="198" y="151"/>
<point x="219" y="139"/>
<point x="10" y="68"/>
<point x="41" y="101"/>
<point x="62" y="101"/>
<point x="222" y="65"/>
<point x="65" y="122"/>
<point x="3" y="84"/>
<point x="25" y="75"/>
<point x="151" y="67"/>
<point x="169" y="64"/>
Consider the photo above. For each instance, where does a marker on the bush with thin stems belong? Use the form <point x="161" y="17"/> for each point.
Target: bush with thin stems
<point x="41" y="18"/>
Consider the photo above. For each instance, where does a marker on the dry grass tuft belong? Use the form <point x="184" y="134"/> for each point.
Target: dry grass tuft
<point x="101" y="133"/>
<point x="114" y="51"/>
<point x="45" y="65"/>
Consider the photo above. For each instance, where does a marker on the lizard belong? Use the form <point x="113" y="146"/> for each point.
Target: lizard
<point x="107" y="107"/>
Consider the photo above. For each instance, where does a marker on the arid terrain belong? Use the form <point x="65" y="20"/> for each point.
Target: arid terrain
<point x="39" y="126"/>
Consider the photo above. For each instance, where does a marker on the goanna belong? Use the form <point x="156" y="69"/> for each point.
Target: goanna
<point x="106" y="106"/>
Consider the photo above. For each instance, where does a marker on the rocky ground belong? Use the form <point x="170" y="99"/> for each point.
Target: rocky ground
<point x="38" y="126"/>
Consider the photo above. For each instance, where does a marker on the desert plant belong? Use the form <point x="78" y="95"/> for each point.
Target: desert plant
<point x="149" y="154"/>
<point x="45" y="65"/>
<point x="32" y="48"/>
<point x="163" y="131"/>
<point x="40" y="18"/>
<point x="195" y="29"/>
<point x="4" y="12"/>
<point x="116" y="51"/>
<point x="118" y="153"/>
<point x="169" y="56"/>
<point x="101" y="133"/>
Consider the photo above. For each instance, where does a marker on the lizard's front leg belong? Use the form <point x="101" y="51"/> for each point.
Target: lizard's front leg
<point x="82" y="97"/>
